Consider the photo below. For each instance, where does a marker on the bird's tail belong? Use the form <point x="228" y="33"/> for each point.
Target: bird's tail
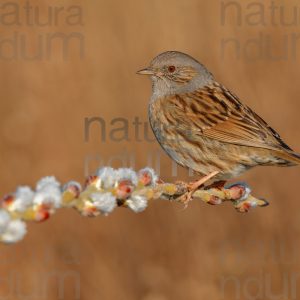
<point x="292" y="158"/>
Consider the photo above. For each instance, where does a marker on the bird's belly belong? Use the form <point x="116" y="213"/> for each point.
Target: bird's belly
<point x="197" y="152"/>
<point x="200" y="154"/>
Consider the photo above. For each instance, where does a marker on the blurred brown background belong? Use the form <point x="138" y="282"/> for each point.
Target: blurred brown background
<point x="202" y="252"/>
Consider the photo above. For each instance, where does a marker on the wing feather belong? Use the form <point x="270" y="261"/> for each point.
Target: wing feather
<point x="216" y="113"/>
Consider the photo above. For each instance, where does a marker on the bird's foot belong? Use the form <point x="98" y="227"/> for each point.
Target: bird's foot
<point x="192" y="187"/>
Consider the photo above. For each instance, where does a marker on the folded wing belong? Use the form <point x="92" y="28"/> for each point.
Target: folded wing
<point x="214" y="112"/>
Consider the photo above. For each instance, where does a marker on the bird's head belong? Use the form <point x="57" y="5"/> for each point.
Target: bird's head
<point x="175" y="72"/>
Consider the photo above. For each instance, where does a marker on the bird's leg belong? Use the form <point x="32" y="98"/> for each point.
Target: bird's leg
<point x="194" y="186"/>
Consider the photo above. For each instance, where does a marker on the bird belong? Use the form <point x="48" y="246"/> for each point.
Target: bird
<point x="204" y="126"/>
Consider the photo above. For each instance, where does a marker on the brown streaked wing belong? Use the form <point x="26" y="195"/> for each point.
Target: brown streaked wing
<point x="216" y="113"/>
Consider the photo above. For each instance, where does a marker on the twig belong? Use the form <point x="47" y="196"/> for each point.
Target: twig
<point x="102" y="193"/>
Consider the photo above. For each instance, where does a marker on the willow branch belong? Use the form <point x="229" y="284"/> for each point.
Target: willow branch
<point x="102" y="193"/>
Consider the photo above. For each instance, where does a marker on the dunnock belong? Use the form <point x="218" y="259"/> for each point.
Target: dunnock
<point x="203" y="126"/>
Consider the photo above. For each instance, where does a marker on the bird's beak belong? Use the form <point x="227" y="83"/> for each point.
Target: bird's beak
<point x="146" y="71"/>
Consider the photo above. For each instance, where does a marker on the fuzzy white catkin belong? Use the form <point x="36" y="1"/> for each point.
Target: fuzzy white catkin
<point x="127" y="174"/>
<point x="4" y="220"/>
<point x="23" y="199"/>
<point x="104" y="202"/>
<point x="48" y="192"/>
<point x="137" y="203"/>
<point x="72" y="183"/>
<point x="46" y="182"/>
<point x="107" y="176"/>
<point x="14" y="232"/>
<point x="151" y="172"/>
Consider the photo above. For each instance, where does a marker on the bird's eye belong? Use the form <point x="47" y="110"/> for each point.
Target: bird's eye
<point x="171" y="69"/>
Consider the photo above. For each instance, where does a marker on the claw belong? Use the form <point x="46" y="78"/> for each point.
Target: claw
<point x="186" y="198"/>
<point x="193" y="187"/>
